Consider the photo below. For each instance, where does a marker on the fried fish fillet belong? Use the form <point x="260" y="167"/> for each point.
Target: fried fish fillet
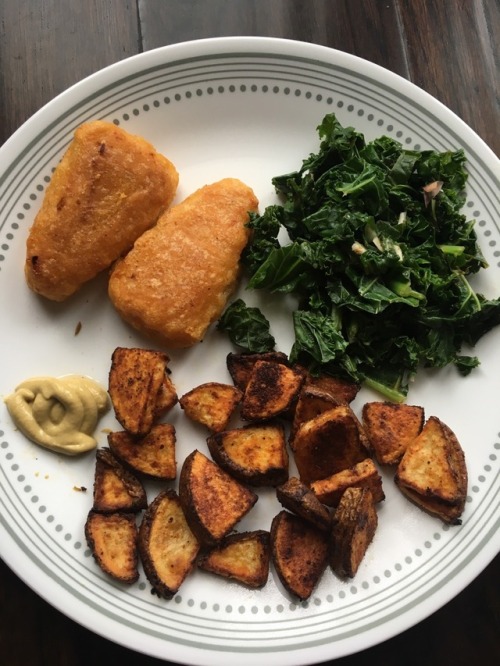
<point x="109" y="187"/>
<point x="179" y="275"/>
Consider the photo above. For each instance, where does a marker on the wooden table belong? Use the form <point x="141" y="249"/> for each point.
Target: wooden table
<point x="448" y="47"/>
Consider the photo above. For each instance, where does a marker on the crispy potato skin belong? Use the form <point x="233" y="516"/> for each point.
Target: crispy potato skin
<point x="328" y="444"/>
<point x="137" y="388"/>
<point x="433" y="473"/>
<point x="299" y="552"/>
<point x="243" y="557"/>
<point x="312" y="402"/>
<point x="115" y="487"/>
<point x="255" y="454"/>
<point x="112" y="539"/>
<point x="178" y="277"/>
<point x="354" y="525"/>
<point x="391" y="428"/>
<point x="362" y="475"/>
<point x="341" y="391"/>
<point x="167" y="546"/>
<point x="212" y="500"/>
<point x="152" y="455"/>
<point x="272" y="389"/>
<point x="109" y="187"/>
<point x="299" y="499"/>
<point x="240" y="365"/>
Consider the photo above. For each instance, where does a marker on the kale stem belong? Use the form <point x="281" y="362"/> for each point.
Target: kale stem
<point x="404" y="289"/>
<point x="471" y="292"/>
<point x="454" y="250"/>
<point x="390" y="393"/>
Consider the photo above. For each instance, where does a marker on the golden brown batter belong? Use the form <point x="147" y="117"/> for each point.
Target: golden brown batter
<point x="109" y="187"/>
<point x="176" y="280"/>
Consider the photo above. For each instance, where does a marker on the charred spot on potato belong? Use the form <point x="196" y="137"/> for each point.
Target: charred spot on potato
<point x="255" y="454"/>
<point x="354" y="524"/>
<point x="271" y="390"/>
<point x="152" y="455"/>
<point x="213" y="501"/>
<point x="115" y="487"/>
<point x="240" y="365"/>
<point x="301" y="500"/>
<point x="328" y="444"/>
<point x="299" y="552"/>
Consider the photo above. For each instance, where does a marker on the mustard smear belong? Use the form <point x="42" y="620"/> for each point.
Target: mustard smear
<point x="60" y="414"/>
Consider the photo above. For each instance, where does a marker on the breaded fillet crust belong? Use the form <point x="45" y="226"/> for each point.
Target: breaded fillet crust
<point x="109" y="187"/>
<point x="179" y="275"/>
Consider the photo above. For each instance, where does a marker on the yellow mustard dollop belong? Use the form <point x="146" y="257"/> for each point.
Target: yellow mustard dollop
<point x="60" y="413"/>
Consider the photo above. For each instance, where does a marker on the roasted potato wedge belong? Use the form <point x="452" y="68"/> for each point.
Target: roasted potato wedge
<point x="211" y="404"/>
<point x="312" y="402"/>
<point x="390" y="427"/>
<point x="328" y="444"/>
<point x="362" y="475"/>
<point x="243" y="557"/>
<point x="240" y="366"/>
<point x="112" y="539"/>
<point x="299" y="553"/>
<point x="354" y="525"/>
<point x="152" y="455"/>
<point x="166" y="399"/>
<point x="115" y="487"/>
<point x="136" y="383"/>
<point x="254" y="454"/>
<point x="342" y="391"/>
<point x="212" y="500"/>
<point x="167" y="546"/>
<point x="433" y="474"/>
<point x="272" y="389"/>
<point x="299" y="499"/>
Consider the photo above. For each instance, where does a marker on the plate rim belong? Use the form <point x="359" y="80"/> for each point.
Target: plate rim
<point x="274" y="46"/>
<point x="214" y="46"/>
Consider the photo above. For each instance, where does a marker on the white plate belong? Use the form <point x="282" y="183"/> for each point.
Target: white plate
<point x="249" y="108"/>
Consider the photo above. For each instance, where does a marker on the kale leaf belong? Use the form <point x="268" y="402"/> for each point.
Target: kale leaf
<point x="379" y="255"/>
<point x="247" y="327"/>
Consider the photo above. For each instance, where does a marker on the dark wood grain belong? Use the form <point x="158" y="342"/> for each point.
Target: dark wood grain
<point x="336" y="24"/>
<point x="462" y="633"/>
<point x="452" y="51"/>
<point x="448" y="47"/>
<point x="45" y="47"/>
